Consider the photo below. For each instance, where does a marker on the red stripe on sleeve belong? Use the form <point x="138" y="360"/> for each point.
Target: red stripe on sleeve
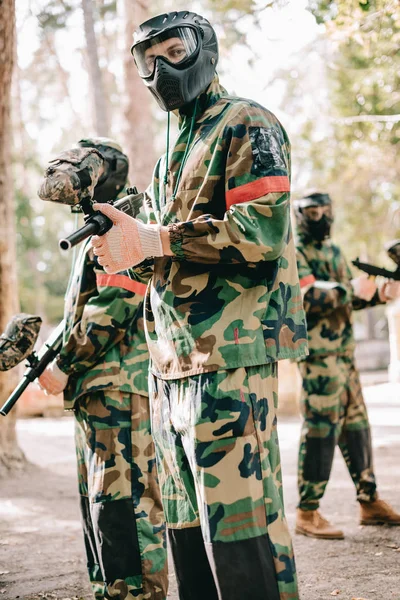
<point x="121" y="281"/>
<point x="256" y="189"/>
<point x="308" y="280"/>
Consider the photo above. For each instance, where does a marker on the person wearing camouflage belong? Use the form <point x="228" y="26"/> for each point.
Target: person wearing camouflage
<point x="223" y="307"/>
<point x="103" y="369"/>
<point x="332" y="402"/>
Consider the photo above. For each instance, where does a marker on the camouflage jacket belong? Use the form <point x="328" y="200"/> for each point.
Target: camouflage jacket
<point x="104" y="342"/>
<point x="230" y="295"/>
<point x="328" y="297"/>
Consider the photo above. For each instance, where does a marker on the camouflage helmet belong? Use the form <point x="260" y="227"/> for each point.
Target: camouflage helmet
<point x="313" y="199"/>
<point x="96" y="169"/>
<point x="18" y="340"/>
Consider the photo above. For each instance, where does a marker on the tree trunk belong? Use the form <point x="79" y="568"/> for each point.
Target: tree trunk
<point x="139" y="122"/>
<point x="10" y="455"/>
<point x="101" y="123"/>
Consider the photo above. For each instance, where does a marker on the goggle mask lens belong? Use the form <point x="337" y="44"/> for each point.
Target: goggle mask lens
<point x="174" y="45"/>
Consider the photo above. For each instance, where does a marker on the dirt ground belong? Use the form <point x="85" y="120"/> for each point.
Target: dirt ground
<point x="41" y="548"/>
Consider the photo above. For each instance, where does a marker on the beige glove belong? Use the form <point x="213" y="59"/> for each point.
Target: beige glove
<point x="364" y="287"/>
<point x="53" y="380"/>
<point x="389" y="290"/>
<point x="127" y="243"/>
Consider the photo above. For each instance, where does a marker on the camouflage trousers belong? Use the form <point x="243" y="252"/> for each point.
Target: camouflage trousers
<point x="334" y="413"/>
<point x="120" y="499"/>
<point x="220" y="477"/>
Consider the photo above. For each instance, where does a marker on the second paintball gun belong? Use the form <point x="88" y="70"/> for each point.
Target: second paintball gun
<point x="16" y="345"/>
<point x="393" y="250"/>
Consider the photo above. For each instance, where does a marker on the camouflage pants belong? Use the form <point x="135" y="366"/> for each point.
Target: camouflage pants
<point x="120" y="498"/>
<point x="334" y="413"/>
<point x="220" y="476"/>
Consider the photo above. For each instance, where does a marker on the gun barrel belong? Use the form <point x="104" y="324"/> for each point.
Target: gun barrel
<point x="96" y="224"/>
<point x="12" y="399"/>
<point x="375" y="271"/>
<point x="48" y="351"/>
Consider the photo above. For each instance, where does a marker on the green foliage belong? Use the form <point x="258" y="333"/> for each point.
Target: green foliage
<point x="55" y="15"/>
<point x="349" y="142"/>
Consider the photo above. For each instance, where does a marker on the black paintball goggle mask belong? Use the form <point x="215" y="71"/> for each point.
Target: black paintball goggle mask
<point x="312" y="222"/>
<point x="176" y="55"/>
<point x="95" y="170"/>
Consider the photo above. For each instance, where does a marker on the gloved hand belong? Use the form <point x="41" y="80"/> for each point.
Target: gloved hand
<point x="389" y="290"/>
<point x="53" y="380"/>
<point x="364" y="287"/>
<point x="127" y="243"/>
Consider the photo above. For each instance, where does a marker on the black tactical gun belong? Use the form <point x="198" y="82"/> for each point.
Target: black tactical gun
<point x="36" y="365"/>
<point x="375" y="271"/>
<point x="393" y="250"/>
<point x="98" y="224"/>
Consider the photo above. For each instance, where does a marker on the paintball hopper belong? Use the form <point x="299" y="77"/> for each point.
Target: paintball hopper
<point x="18" y="340"/>
<point x="96" y="169"/>
<point x="72" y="176"/>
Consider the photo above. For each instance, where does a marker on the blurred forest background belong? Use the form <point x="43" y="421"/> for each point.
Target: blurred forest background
<point x="338" y="96"/>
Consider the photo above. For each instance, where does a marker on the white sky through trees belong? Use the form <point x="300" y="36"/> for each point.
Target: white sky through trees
<point x="273" y="44"/>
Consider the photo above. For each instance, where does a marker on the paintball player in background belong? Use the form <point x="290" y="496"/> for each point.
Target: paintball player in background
<point x="103" y="369"/>
<point x="332" y="403"/>
<point x="223" y="306"/>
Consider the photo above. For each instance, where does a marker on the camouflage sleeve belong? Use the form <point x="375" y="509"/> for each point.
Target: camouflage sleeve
<point x="105" y="318"/>
<point x="320" y="297"/>
<point x="255" y="226"/>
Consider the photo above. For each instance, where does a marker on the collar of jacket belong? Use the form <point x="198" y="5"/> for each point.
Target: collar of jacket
<point x="206" y="99"/>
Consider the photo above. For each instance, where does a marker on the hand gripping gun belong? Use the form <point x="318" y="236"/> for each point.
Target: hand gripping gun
<point x="393" y="250"/>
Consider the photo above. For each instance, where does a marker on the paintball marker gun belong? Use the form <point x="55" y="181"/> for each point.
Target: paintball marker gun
<point x="98" y="224"/>
<point x="393" y="250"/>
<point x="94" y="171"/>
<point x="16" y="344"/>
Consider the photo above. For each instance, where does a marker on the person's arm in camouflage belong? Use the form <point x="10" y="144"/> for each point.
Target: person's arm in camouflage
<point x="108" y="311"/>
<point x="256" y="222"/>
<point x="255" y="152"/>
<point x="320" y="297"/>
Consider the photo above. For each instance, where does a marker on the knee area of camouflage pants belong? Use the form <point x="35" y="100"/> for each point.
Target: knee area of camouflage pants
<point x="121" y="506"/>
<point x="219" y="469"/>
<point x="334" y="413"/>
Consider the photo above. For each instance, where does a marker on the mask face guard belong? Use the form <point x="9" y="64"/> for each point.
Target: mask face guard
<point x="187" y="34"/>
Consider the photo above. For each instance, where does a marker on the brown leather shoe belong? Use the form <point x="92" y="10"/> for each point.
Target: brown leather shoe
<point x="378" y="512"/>
<point x="313" y="524"/>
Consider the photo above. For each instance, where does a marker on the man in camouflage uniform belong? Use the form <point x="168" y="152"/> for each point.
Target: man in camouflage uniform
<point x="332" y="403"/>
<point x="103" y="370"/>
<point x="224" y="305"/>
